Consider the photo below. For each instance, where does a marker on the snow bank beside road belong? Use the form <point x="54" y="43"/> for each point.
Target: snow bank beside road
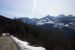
<point x="24" y="45"/>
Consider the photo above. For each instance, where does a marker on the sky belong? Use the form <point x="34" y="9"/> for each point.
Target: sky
<point x="36" y="8"/>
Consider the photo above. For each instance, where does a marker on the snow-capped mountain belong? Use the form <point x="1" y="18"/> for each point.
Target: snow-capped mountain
<point x="68" y="21"/>
<point x="59" y="21"/>
<point x="42" y="21"/>
<point x="46" y="20"/>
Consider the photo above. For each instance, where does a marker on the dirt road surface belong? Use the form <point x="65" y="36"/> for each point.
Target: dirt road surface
<point x="6" y="43"/>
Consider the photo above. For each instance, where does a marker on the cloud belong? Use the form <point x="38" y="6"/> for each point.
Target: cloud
<point x="17" y="7"/>
<point x="37" y="8"/>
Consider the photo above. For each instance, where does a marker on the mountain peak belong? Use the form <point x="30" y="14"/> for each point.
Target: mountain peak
<point x="62" y="15"/>
<point x="47" y="15"/>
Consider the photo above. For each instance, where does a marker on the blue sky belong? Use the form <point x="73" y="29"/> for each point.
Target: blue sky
<point x="36" y="8"/>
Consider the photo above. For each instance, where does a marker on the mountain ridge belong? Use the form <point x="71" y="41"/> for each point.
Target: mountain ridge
<point x="48" y="38"/>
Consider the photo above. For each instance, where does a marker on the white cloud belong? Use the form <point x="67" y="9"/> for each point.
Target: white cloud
<point x="37" y="8"/>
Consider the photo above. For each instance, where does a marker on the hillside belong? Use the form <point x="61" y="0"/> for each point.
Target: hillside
<point x="49" y="38"/>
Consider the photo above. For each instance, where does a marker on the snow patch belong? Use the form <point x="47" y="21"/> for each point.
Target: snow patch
<point x="24" y="45"/>
<point x="4" y="34"/>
